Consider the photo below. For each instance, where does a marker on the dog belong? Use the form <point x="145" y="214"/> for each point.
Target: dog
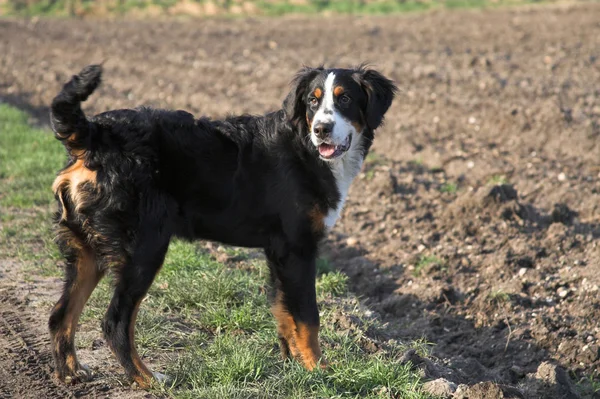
<point x="135" y="178"/>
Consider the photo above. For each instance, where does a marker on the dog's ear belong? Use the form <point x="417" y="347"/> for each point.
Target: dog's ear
<point x="294" y="104"/>
<point x="380" y="93"/>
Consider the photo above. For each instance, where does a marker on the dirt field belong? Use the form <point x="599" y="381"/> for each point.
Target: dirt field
<point x="475" y="223"/>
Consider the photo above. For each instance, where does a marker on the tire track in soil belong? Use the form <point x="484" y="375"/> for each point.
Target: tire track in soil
<point x="25" y="365"/>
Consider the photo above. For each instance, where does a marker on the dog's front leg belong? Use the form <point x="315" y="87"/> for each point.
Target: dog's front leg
<point x="295" y="307"/>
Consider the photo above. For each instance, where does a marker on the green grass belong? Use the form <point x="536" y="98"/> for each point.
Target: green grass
<point x="208" y="324"/>
<point x="449" y="188"/>
<point x="264" y="7"/>
<point x="498" y="296"/>
<point x="424" y="262"/>
<point x="497" y="180"/>
<point x="29" y="160"/>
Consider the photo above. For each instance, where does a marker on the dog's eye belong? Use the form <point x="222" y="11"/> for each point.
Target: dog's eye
<point x="344" y="99"/>
<point x="313" y="101"/>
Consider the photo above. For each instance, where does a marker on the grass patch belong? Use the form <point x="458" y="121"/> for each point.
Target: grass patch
<point x="29" y="160"/>
<point x="497" y="180"/>
<point x="449" y="188"/>
<point x="498" y="296"/>
<point x="210" y="324"/>
<point x="264" y="7"/>
<point x="425" y="262"/>
<point x="416" y="162"/>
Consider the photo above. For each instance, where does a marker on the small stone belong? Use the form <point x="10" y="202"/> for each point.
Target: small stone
<point x="351" y="241"/>
<point x="562" y="176"/>
<point x="470" y="164"/>
<point x="563" y="292"/>
<point x="522" y="271"/>
<point x="472" y="120"/>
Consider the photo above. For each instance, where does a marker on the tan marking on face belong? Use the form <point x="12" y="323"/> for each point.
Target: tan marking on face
<point x="338" y="91"/>
<point x="318" y="93"/>
<point x="357" y="126"/>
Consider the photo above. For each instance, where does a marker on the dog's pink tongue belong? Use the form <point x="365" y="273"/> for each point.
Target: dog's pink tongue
<point x="326" y="150"/>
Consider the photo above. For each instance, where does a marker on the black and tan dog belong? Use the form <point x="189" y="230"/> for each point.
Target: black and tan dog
<point x="138" y="177"/>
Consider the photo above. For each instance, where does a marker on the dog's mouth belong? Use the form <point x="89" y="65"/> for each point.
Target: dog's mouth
<point x="331" y="151"/>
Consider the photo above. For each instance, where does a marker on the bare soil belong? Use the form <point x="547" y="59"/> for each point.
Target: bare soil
<point x="475" y="223"/>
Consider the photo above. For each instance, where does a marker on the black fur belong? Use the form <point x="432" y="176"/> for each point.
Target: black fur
<point x="138" y="177"/>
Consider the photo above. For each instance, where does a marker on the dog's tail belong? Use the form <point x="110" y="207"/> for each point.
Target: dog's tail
<point x="66" y="117"/>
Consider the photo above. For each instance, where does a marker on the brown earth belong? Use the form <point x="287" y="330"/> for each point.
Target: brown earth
<point x="503" y="280"/>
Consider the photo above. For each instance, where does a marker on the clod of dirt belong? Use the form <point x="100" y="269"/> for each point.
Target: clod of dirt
<point x="440" y="387"/>
<point x="397" y="304"/>
<point x="483" y="390"/>
<point x="383" y="183"/>
<point x="562" y="214"/>
<point x="348" y="322"/>
<point x="472" y="369"/>
<point x="501" y="193"/>
<point x="487" y="390"/>
<point x="426" y="367"/>
<point x="471" y="211"/>
<point x="551" y="381"/>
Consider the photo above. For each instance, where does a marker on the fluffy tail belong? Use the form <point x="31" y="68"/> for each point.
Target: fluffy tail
<point x="66" y="117"/>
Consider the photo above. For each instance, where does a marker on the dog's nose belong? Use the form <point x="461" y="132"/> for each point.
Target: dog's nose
<point x="322" y="130"/>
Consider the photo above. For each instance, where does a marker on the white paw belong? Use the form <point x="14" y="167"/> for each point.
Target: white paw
<point x="160" y="377"/>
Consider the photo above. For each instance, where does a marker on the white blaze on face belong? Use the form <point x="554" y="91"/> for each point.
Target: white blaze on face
<point x="328" y="114"/>
<point x="347" y="166"/>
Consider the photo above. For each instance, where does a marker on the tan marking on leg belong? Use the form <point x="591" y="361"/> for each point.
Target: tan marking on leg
<point x="307" y="341"/>
<point x="143" y="377"/>
<point x="86" y="280"/>
<point x="286" y="327"/>
<point x="71" y="362"/>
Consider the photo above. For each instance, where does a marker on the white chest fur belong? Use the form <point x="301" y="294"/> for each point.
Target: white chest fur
<point x="344" y="170"/>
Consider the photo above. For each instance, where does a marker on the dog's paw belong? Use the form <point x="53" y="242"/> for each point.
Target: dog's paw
<point x="82" y="374"/>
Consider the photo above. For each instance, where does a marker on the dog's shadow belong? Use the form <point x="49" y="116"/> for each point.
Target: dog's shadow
<point x="471" y="353"/>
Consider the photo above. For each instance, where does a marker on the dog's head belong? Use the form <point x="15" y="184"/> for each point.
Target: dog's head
<point x="338" y="108"/>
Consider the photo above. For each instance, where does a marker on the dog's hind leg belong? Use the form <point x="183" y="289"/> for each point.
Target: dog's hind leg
<point x="134" y="280"/>
<point x="82" y="276"/>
